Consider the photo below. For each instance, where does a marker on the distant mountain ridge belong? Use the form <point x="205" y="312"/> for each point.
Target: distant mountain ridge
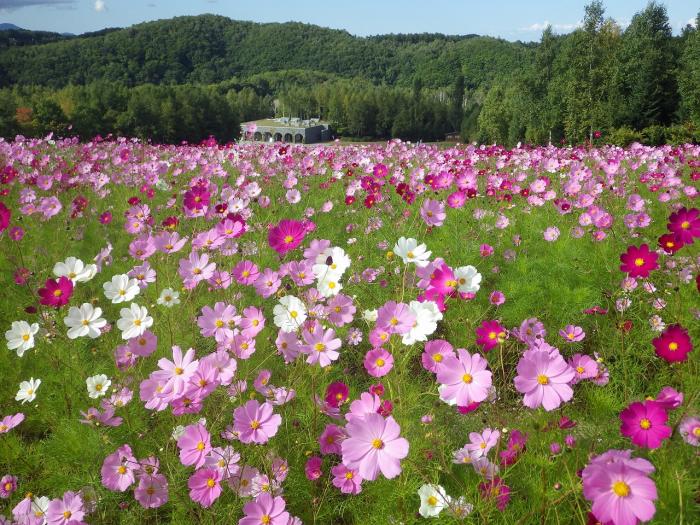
<point x="6" y="27"/>
<point x="212" y="48"/>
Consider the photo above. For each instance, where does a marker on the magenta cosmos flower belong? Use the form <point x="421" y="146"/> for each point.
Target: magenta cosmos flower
<point x="373" y="445"/>
<point x="685" y="224"/>
<point x="639" y="262"/>
<point x="490" y="334"/>
<point x="544" y="376"/>
<point x="255" y="423"/>
<point x="5" y="216"/>
<point x="205" y="486"/>
<point x="645" y="424"/>
<point x="194" y="445"/>
<point x="464" y="379"/>
<point x="349" y="481"/>
<point x="497" y="490"/>
<point x="265" y="509"/>
<point x="56" y="292"/>
<point x="286" y="236"/>
<point x="674" y="344"/>
<point x="621" y="494"/>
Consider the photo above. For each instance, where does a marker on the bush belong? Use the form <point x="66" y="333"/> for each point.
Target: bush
<point x="624" y="136"/>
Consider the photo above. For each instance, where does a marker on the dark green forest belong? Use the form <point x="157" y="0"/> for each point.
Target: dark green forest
<point x="189" y="78"/>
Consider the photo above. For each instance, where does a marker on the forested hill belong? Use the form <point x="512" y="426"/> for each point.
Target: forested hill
<point x="208" y="49"/>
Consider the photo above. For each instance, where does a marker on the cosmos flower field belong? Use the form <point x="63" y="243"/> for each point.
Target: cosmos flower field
<point x="348" y="334"/>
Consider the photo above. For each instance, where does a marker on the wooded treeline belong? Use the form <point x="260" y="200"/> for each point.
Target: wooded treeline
<point x="192" y="77"/>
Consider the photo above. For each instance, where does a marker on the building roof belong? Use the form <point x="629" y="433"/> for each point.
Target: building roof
<point x="287" y="122"/>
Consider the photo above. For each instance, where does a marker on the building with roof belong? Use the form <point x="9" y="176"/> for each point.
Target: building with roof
<point x="286" y="129"/>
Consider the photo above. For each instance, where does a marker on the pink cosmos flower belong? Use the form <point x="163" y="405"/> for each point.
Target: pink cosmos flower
<point x="218" y="322"/>
<point x="67" y="510"/>
<point x="349" y="481"/>
<point x="373" y="445"/>
<point x="252" y="322"/>
<point x="435" y="353"/>
<point x="669" y="398"/>
<point x="395" y="318"/>
<point x="585" y="367"/>
<point x="195" y="269"/>
<point x="378" y="362"/>
<point x="8" y="486"/>
<point x="543" y="377"/>
<point x="497" y="298"/>
<point x="267" y="284"/>
<point x="685" y="224"/>
<point x="286" y="236"/>
<point x="645" y="424"/>
<point x="340" y="310"/>
<point x="572" y="334"/>
<point x="689" y="429"/>
<point x="9" y="422"/>
<point x="433" y="212"/>
<point x="321" y="346"/>
<point x="265" y="509"/>
<point x="464" y="379"/>
<point x="336" y="394"/>
<point x="620" y="493"/>
<point x="245" y="272"/>
<point x="551" y="234"/>
<point x="496" y="489"/>
<point x="480" y="444"/>
<point x="312" y="469"/>
<point x="152" y="491"/>
<point x="176" y="373"/>
<point x="118" y="469"/>
<point x="205" y="486"/>
<point x="169" y="242"/>
<point x="256" y="423"/>
<point x="331" y="438"/>
<point x="194" y="445"/>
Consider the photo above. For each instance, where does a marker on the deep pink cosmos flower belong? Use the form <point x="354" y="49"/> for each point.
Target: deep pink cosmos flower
<point x="645" y="424"/>
<point x="378" y="362"/>
<point x="118" y="469"/>
<point x="5" y="216"/>
<point x="373" y="445"/>
<point x="349" y="481"/>
<point x="196" y="198"/>
<point x="265" y="509"/>
<point x="194" y="445"/>
<point x="56" y="292"/>
<point x="639" y="262"/>
<point x="205" y="486"/>
<point x="255" y="422"/>
<point x="495" y="489"/>
<point x="67" y="510"/>
<point x="330" y="439"/>
<point x="337" y="394"/>
<point x="674" y="344"/>
<point x="312" y="470"/>
<point x="620" y="494"/>
<point x="670" y="243"/>
<point x="669" y="398"/>
<point x="543" y="377"/>
<point x="286" y="236"/>
<point x="464" y="379"/>
<point x="685" y="224"/>
<point x="490" y="334"/>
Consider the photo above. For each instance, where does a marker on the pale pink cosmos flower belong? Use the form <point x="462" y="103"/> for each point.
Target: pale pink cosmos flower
<point x="481" y="443"/>
<point x="572" y="333"/>
<point x="433" y="212"/>
<point x="205" y="486"/>
<point x="373" y="445"/>
<point x="265" y="509"/>
<point x="194" y="445"/>
<point x="118" y="469"/>
<point x="255" y="422"/>
<point x="544" y="376"/>
<point x="67" y="510"/>
<point x="152" y="491"/>
<point x="321" y="346"/>
<point x="176" y="373"/>
<point x="464" y="379"/>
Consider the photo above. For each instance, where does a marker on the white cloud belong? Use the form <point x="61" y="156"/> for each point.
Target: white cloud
<point x="691" y="22"/>
<point x="100" y="6"/>
<point x="541" y="26"/>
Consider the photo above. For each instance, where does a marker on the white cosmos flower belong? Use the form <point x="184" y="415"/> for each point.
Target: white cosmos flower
<point x="432" y="500"/>
<point x="329" y="286"/>
<point x="121" y="289"/>
<point x="427" y="315"/>
<point x="468" y="279"/>
<point x="21" y="336"/>
<point x="411" y="252"/>
<point x="370" y="315"/>
<point x="332" y="260"/>
<point x="40" y="506"/>
<point x="134" y="321"/>
<point x="27" y="390"/>
<point x="84" y="321"/>
<point x="75" y="270"/>
<point x="169" y="297"/>
<point x="290" y="313"/>
<point x="98" y="385"/>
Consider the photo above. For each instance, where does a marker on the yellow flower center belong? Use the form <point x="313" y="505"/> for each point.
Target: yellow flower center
<point x="293" y="314"/>
<point x="57" y="293"/>
<point x="673" y="346"/>
<point x="25" y="337"/>
<point x="255" y="424"/>
<point x="122" y="292"/>
<point x="467" y="378"/>
<point x="67" y="514"/>
<point x="378" y="444"/>
<point x="288" y="239"/>
<point x="432" y="501"/>
<point x="265" y="519"/>
<point x="331" y="285"/>
<point x="319" y="347"/>
<point x="482" y="445"/>
<point x="210" y="483"/>
<point x="696" y="431"/>
<point x="645" y="424"/>
<point x="255" y="322"/>
<point x="580" y="369"/>
<point x="121" y="469"/>
<point x="437" y="358"/>
<point x="620" y="488"/>
<point x="179" y="371"/>
<point x="219" y="323"/>
<point x="349" y="475"/>
<point x="639" y="261"/>
<point x="85" y="322"/>
<point x="542" y="379"/>
<point x="201" y="445"/>
<point x="245" y="273"/>
<point x="137" y="322"/>
<point x="492" y="335"/>
<point x="685" y="225"/>
<point x="379" y="362"/>
<point x="98" y="387"/>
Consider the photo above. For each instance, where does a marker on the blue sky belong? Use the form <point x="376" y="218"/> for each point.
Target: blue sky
<point x="510" y="19"/>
